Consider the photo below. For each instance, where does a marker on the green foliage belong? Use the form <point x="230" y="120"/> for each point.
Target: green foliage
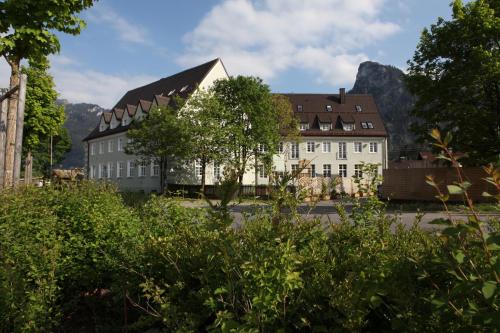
<point x="43" y="119"/>
<point x="180" y="269"/>
<point x="161" y="136"/>
<point x="249" y="119"/>
<point x="465" y="272"/>
<point x="57" y="246"/>
<point x="33" y="36"/>
<point x="455" y="73"/>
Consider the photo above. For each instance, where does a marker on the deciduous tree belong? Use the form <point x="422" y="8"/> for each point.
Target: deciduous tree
<point x="162" y="136"/>
<point x="455" y="74"/>
<point x="27" y="31"/>
<point x="43" y="119"/>
<point x="249" y="119"/>
<point x="208" y="141"/>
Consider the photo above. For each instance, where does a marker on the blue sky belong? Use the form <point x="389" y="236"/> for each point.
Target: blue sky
<point x="294" y="45"/>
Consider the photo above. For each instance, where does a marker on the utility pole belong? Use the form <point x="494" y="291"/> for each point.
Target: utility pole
<point x="19" y="129"/>
<point x="3" y="128"/>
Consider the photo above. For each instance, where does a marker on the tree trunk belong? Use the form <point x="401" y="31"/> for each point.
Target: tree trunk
<point x="10" y="141"/>
<point x="203" y="168"/>
<point x="3" y="128"/>
<point x="28" y="168"/>
<point x="163" y="173"/>
<point x="256" y="173"/>
<point x="19" y="130"/>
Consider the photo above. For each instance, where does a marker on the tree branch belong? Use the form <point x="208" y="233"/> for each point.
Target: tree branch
<point x="9" y="93"/>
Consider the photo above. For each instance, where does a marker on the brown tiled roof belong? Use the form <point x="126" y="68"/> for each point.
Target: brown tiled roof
<point x="118" y="113"/>
<point x="162" y="100"/>
<point x="145" y="105"/>
<point x="191" y="78"/>
<point x="131" y="109"/>
<point x="107" y="117"/>
<point x="314" y="107"/>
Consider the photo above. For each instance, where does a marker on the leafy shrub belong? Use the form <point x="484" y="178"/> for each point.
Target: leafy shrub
<point x="59" y="245"/>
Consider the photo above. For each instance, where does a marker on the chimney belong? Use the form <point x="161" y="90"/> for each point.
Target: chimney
<point x="342" y="95"/>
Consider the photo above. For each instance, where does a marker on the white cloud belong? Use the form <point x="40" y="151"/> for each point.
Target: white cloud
<point x="267" y="37"/>
<point x="80" y="85"/>
<point x="128" y="31"/>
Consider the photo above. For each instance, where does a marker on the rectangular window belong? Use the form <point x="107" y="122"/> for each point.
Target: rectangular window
<point x="262" y="148"/>
<point x="120" y="166"/>
<point x="280" y="148"/>
<point x="197" y="169"/>
<point x="342" y="155"/>
<point x="216" y="171"/>
<point x="313" y="170"/>
<point x="262" y="171"/>
<point x="325" y="126"/>
<point x="295" y="168"/>
<point x="358" y="108"/>
<point x="348" y="127"/>
<point x="155" y="169"/>
<point x="294" y="154"/>
<point x="369" y="124"/>
<point x="327" y="147"/>
<point x="92" y="149"/>
<point x="130" y="168"/>
<point x="357" y="171"/>
<point x="343" y="170"/>
<point x="358" y="147"/>
<point x="310" y="146"/>
<point x="104" y="171"/>
<point x="92" y="171"/>
<point x="111" y="170"/>
<point x="327" y="170"/>
<point x="101" y="147"/>
<point x="300" y="108"/>
<point x="304" y="126"/>
<point x="119" y="144"/>
<point x="110" y="146"/>
<point x="373" y="147"/>
<point x="142" y="169"/>
<point x="364" y="125"/>
<point x="329" y="108"/>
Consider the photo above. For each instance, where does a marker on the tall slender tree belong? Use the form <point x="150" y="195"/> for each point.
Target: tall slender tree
<point x="455" y="74"/>
<point x="207" y="142"/>
<point x="44" y="119"/>
<point x="27" y="31"/>
<point x="248" y="119"/>
<point x="161" y="137"/>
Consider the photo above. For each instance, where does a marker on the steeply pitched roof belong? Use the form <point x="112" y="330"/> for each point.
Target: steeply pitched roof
<point x="314" y="107"/>
<point x="190" y="77"/>
<point x="159" y="90"/>
<point x="118" y="113"/>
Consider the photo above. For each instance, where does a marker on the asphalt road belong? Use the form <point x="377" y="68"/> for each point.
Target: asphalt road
<point x="327" y="213"/>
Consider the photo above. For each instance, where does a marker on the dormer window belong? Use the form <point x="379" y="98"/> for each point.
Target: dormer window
<point x="300" y="108"/>
<point x="359" y="108"/>
<point x="329" y="108"/>
<point x="171" y="92"/>
<point x="370" y="124"/>
<point x="103" y="127"/>
<point x="364" y="125"/>
<point x="304" y="126"/>
<point x="348" y="127"/>
<point x="325" y="126"/>
<point x="184" y="88"/>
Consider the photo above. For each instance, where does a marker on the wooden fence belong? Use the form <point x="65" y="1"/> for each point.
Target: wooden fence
<point x="410" y="184"/>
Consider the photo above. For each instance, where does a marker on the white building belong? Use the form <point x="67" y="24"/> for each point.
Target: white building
<point x="338" y="131"/>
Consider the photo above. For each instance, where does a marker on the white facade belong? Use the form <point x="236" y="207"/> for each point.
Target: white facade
<point x="327" y="155"/>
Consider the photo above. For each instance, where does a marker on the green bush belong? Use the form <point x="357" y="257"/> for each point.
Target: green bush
<point x="58" y="247"/>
